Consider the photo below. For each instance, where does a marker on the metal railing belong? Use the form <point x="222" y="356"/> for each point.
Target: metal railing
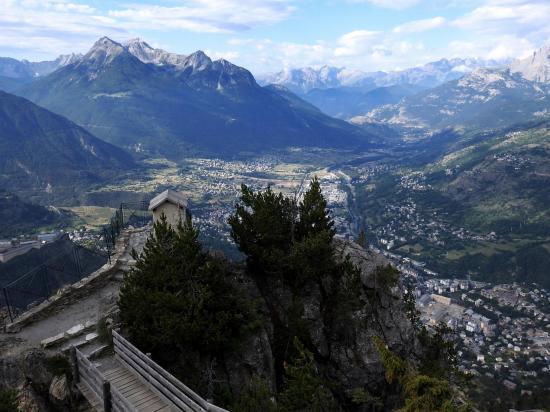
<point x="159" y="380"/>
<point x="22" y="292"/>
<point x="69" y="265"/>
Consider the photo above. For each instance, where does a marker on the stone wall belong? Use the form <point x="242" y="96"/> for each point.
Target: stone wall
<point x="72" y="293"/>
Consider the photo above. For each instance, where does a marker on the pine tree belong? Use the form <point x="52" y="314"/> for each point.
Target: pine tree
<point x="255" y="396"/>
<point x="262" y="229"/>
<point x="178" y="298"/>
<point x="420" y="392"/>
<point x="314" y="216"/>
<point x="304" y="389"/>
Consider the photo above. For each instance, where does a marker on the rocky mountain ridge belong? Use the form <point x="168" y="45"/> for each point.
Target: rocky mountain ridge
<point x="24" y="69"/>
<point x="303" y="80"/>
<point x="485" y="98"/>
<point x="193" y="105"/>
<point x="535" y="67"/>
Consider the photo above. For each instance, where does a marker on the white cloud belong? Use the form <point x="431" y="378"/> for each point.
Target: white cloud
<point x="213" y="16"/>
<point x="487" y="47"/>
<point x="71" y="26"/>
<point x="226" y="55"/>
<point x="518" y="17"/>
<point x="389" y="4"/>
<point x="503" y="29"/>
<point x="355" y="42"/>
<point x="417" y="26"/>
<point x="51" y="27"/>
<point x="490" y="29"/>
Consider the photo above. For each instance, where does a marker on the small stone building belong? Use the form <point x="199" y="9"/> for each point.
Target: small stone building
<point x="170" y="203"/>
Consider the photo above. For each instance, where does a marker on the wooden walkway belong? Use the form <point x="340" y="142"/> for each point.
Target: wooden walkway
<point x="134" y="383"/>
<point x="135" y="391"/>
<point x="95" y="402"/>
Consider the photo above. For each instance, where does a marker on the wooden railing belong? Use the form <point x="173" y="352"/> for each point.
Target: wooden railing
<point x="88" y="374"/>
<point x="107" y="395"/>
<point x="160" y="381"/>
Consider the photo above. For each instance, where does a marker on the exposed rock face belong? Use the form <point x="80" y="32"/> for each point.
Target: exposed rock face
<point x="28" y="367"/>
<point x="60" y="392"/>
<point x="29" y="401"/>
<point x="344" y="350"/>
<point x="535" y="67"/>
<point x="27" y="373"/>
<point x="255" y="359"/>
<point x="356" y="361"/>
<point x="344" y="345"/>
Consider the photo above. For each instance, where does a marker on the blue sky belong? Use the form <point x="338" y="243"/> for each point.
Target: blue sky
<point x="268" y="35"/>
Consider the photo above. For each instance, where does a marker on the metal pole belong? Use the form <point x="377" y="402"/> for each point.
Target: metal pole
<point x="8" y="304"/>
<point x="107" y="403"/>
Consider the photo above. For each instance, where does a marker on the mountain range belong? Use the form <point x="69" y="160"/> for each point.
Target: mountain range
<point x="535" y="67"/>
<point x="14" y="73"/>
<point x="45" y="156"/>
<point x="347" y="102"/>
<point x="485" y="98"/>
<point x="146" y="99"/>
<point x="345" y="93"/>
<point x="303" y="80"/>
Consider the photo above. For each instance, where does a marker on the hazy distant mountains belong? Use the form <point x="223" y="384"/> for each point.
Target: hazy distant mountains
<point x="345" y="93"/>
<point x="485" y="98"/>
<point x="147" y="99"/>
<point x="21" y="69"/>
<point x="347" y="102"/>
<point x="49" y="156"/>
<point x="433" y="74"/>
<point x="14" y="73"/>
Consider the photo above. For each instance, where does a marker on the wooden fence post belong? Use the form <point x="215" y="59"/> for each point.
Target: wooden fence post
<point x="74" y="364"/>
<point x="107" y="401"/>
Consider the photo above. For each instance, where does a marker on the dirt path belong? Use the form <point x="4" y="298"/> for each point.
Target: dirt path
<point x="90" y="308"/>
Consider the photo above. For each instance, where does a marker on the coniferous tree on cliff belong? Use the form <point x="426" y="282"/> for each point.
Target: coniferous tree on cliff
<point x="179" y="298"/>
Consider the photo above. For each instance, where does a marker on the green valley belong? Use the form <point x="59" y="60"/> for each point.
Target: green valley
<point x="480" y="209"/>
